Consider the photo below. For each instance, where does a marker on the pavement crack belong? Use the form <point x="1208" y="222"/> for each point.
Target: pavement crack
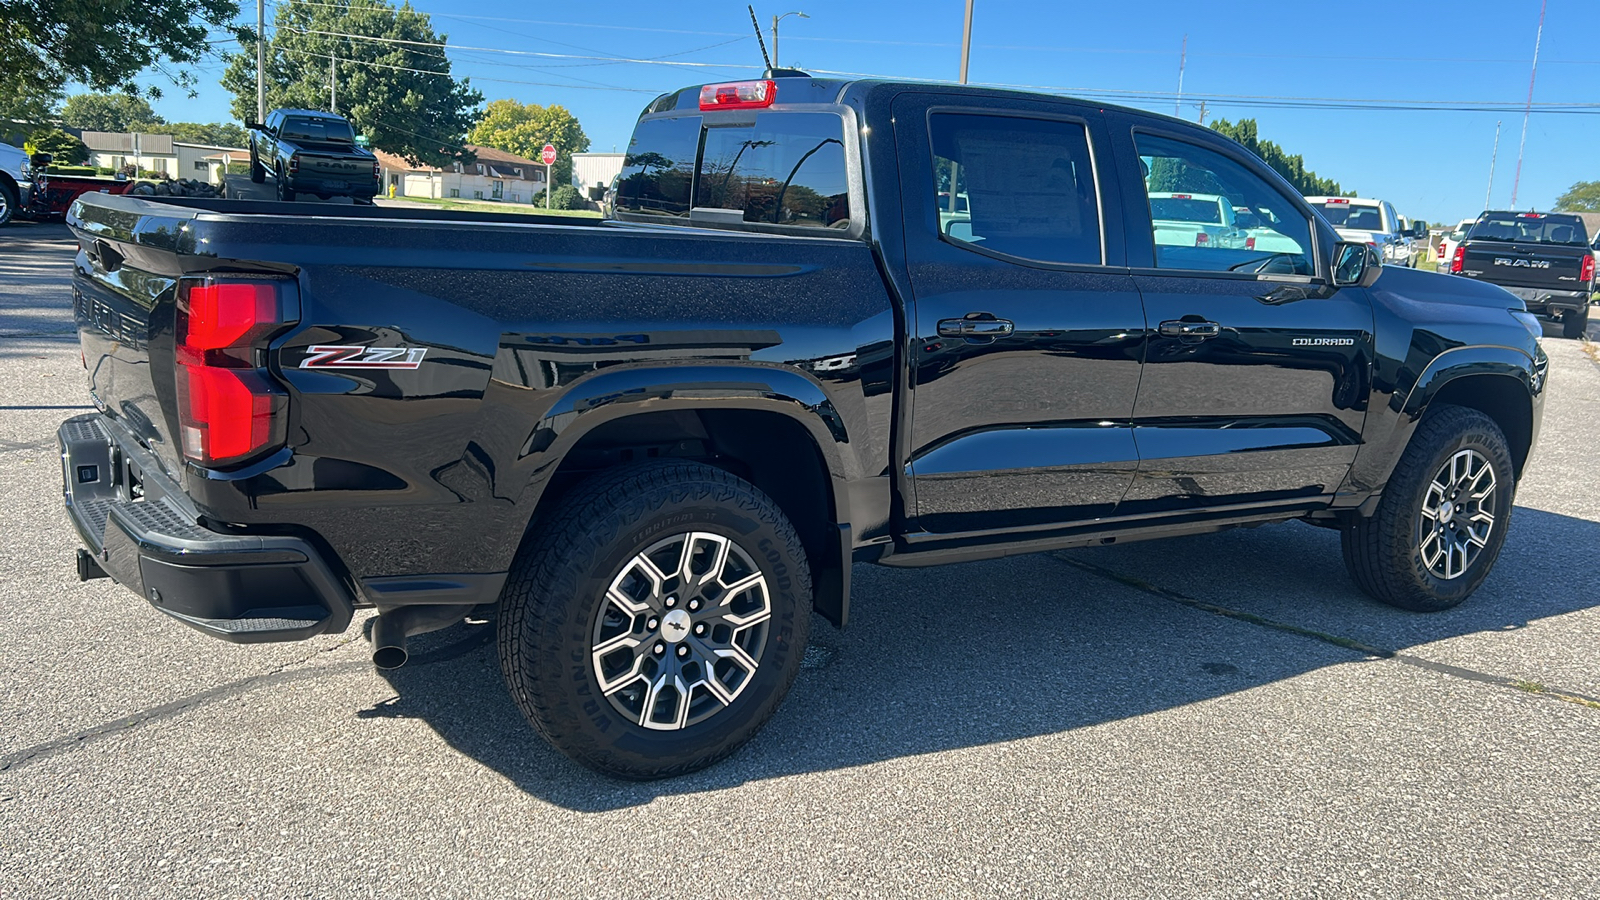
<point x="285" y="672"/>
<point x="1408" y="659"/>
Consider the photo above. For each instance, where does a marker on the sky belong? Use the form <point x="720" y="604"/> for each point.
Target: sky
<point x="1267" y="61"/>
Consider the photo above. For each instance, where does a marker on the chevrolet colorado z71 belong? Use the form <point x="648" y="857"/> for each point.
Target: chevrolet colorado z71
<point x="310" y="152"/>
<point x="654" y="446"/>
<point x="1544" y="258"/>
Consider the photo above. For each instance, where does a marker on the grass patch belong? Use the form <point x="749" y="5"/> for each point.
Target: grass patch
<point x="476" y="206"/>
<point x="1532" y="687"/>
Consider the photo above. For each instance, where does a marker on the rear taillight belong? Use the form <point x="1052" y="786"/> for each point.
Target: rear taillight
<point x="1588" y="268"/>
<point x="294" y="164"/>
<point x="739" y="95"/>
<point x="1249" y="243"/>
<point x="377" y="170"/>
<point x="1201" y="239"/>
<point x="229" y="408"/>
<point x="1456" y="262"/>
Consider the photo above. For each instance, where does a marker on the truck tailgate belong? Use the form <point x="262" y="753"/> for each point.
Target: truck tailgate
<point x="1531" y="265"/>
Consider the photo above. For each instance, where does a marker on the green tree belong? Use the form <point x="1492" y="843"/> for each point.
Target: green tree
<point x="524" y="129"/>
<point x="393" y="78"/>
<point x="108" y="112"/>
<point x="1292" y="168"/>
<point x="216" y="134"/>
<point x="45" y="44"/>
<point x="62" y="147"/>
<point x="1581" y="197"/>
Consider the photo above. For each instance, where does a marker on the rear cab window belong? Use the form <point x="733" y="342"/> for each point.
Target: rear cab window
<point x="315" y="130"/>
<point x="1530" y="228"/>
<point x="776" y="171"/>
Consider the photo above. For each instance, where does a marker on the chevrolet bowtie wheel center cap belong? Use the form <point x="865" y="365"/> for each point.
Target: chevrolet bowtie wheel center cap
<point x="675" y="626"/>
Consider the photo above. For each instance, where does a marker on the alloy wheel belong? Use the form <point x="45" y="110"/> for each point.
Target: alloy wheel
<point x="1458" y="515"/>
<point x="681" y="630"/>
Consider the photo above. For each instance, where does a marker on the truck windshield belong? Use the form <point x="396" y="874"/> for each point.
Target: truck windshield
<point x="1184" y="209"/>
<point x="1349" y="215"/>
<point x="783" y="170"/>
<point x="1530" y="228"/>
<point x="319" y="131"/>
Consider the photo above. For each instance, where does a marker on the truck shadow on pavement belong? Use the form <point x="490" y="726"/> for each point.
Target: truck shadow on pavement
<point x="944" y="659"/>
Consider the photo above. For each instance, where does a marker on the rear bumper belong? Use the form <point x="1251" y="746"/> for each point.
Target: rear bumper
<point x="1541" y="300"/>
<point x="142" y="532"/>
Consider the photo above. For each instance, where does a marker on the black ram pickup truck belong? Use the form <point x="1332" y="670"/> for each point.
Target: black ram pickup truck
<point x="1544" y="258"/>
<point x="833" y="322"/>
<point x="312" y="152"/>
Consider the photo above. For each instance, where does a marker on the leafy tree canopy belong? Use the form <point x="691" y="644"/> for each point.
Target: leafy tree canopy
<point x="45" y="44"/>
<point x="215" y="134"/>
<point x="1293" y="168"/>
<point x="108" y="112"/>
<point x="394" y="82"/>
<point x="64" y="148"/>
<point x="1581" y="197"/>
<point x="524" y="129"/>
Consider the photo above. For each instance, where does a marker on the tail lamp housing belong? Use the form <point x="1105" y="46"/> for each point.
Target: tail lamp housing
<point x="739" y="95"/>
<point x="1588" y="269"/>
<point x="1458" y="262"/>
<point x="230" y="409"/>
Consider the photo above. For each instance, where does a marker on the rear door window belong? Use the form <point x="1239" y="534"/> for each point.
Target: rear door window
<point x="1017" y="186"/>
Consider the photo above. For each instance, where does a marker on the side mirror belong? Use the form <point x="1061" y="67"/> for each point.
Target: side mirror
<point x="1355" y="265"/>
<point x="255" y="126"/>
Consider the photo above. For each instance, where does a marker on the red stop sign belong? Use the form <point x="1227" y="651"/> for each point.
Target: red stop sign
<point x="548" y="154"/>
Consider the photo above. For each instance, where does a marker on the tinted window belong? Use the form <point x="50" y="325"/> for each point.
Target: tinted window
<point x="782" y="169"/>
<point x="1271" y="236"/>
<point x="326" y="131"/>
<point x="658" y="172"/>
<point x="1022" y="187"/>
<point x="786" y="169"/>
<point x="1185" y="208"/>
<point x="1529" y="228"/>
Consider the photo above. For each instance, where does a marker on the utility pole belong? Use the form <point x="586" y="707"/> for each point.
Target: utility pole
<point x="1202" y="119"/>
<point x="966" y="54"/>
<point x="261" y="60"/>
<point x="1517" y="181"/>
<point x="333" y="84"/>
<point x="1183" y="59"/>
<point x="775" y="63"/>
<point x="1492" y="157"/>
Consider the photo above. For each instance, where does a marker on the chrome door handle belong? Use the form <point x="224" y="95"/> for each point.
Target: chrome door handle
<point x="976" y="325"/>
<point x="1181" y="329"/>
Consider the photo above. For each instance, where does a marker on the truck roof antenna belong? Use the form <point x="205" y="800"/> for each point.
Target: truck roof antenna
<point x="763" y="44"/>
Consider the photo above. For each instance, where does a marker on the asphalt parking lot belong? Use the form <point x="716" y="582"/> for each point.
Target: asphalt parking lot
<point x="1217" y="716"/>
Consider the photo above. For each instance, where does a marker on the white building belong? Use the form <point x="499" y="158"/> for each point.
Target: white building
<point x="496" y="176"/>
<point x="591" y="170"/>
<point x="160" y="153"/>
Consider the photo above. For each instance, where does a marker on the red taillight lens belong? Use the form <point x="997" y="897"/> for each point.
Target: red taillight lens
<point x="739" y="95"/>
<point x="1201" y="239"/>
<point x="1457" y="260"/>
<point x="228" y="408"/>
<point x="1249" y="243"/>
<point x="294" y="164"/>
<point x="1588" y="268"/>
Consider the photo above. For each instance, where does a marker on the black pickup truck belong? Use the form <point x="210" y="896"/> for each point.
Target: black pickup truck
<point x="833" y="322"/>
<point x="1544" y="258"/>
<point x="312" y="152"/>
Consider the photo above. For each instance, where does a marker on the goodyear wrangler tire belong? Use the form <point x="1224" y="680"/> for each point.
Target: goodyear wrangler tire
<point x="655" y="621"/>
<point x="1443" y="517"/>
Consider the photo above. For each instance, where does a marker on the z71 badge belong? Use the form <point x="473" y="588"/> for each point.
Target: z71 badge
<point x="324" y="356"/>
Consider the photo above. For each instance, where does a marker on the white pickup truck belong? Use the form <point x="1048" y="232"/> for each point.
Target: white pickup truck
<point x="1372" y="222"/>
<point x="14" y="182"/>
<point x="1195" y="220"/>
